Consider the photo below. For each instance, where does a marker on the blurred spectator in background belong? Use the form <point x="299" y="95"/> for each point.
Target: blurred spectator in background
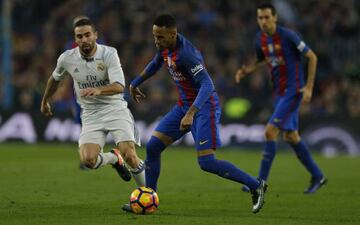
<point x="223" y="31"/>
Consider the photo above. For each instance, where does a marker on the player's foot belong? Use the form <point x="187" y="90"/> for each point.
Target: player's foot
<point x="258" y="196"/>
<point x="120" y="167"/>
<point x="315" y="184"/>
<point x="245" y="188"/>
<point x="127" y="208"/>
<point x="82" y="166"/>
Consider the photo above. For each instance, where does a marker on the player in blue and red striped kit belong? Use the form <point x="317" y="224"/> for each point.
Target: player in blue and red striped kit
<point x="197" y="110"/>
<point x="281" y="49"/>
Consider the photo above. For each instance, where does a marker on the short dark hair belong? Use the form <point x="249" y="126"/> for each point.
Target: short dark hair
<point x="267" y="6"/>
<point x="165" y="20"/>
<point x="83" y="21"/>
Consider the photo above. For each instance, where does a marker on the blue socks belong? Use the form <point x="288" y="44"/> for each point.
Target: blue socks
<point x="152" y="163"/>
<point x="305" y="158"/>
<point x="207" y="163"/>
<point x="301" y="151"/>
<point x="227" y="170"/>
<point x="268" y="157"/>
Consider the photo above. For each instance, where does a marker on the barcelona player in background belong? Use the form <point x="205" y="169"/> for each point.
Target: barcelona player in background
<point x="281" y="49"/>
<point x="197" y="110"/>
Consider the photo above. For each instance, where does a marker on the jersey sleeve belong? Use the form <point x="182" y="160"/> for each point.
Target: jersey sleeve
<point x="60" y="70"/>
<point x="206" y="89"/>
<point x="298" y="42"/>
<point x="115" y="71"/>
<point x="154" y="65"/>
<point x="194" y="65"/>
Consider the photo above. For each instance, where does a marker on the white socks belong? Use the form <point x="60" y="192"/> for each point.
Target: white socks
<point x="109" y="158"/>
<point x="104" y="159"/>
<point x="139" y="173"/>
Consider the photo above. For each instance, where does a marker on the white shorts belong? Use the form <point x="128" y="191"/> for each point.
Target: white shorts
<point x="96" y="124"/>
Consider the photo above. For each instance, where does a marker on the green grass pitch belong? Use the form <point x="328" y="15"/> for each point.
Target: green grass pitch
<point x="42" y="184"/>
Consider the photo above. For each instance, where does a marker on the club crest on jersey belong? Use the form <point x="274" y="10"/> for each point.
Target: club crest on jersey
<point x="100" y="66"/>
<point x="271" y="48"/>
<point x="170" y="63"/>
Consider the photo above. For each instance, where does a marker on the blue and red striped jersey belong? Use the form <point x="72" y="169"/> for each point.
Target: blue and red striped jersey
<point x="186" y="67"/>
<point x="283" y="51"/>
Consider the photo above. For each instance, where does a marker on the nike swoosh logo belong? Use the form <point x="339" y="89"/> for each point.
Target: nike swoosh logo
<point x="203" y="142"/>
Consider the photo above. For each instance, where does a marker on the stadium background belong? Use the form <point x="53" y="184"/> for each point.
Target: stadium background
<point x="224" y="32"/>
<point x="40" y="180"/>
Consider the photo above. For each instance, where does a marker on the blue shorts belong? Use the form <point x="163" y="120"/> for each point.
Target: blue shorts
<point x="205" y="127"/>
<point x="286" y="113"/>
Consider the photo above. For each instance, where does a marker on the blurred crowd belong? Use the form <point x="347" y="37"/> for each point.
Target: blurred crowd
<point x="223" y="31"/>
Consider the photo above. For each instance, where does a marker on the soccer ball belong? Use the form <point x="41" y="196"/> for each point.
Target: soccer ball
<point x="144" y="200"/>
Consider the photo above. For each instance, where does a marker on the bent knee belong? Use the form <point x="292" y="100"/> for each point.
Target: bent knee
<point x="271" y="133"/>
<point x="89" y="154"/>
<point x="88" y="161"/>
<point x="291" y="137"/>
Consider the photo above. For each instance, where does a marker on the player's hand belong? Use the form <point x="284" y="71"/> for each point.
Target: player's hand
<point x="307" y="94"/>
<point x="240" y="73"/>
<point x="46" y="108"/>
<point x="186" y="122"/>
<point x="136" y="94"/>
<point x="90" y="92"/>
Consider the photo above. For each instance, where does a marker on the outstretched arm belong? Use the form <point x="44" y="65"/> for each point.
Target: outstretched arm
<point x="148" y="72"/>
<point x="311" y="70"/>
<point x="51" y="87"/>
<point x="245" y="70"/>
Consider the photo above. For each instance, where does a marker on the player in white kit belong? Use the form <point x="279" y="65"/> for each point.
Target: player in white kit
<point x="99" y="86"/>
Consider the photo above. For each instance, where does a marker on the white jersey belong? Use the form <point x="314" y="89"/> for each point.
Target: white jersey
<point x="103" y="69"/>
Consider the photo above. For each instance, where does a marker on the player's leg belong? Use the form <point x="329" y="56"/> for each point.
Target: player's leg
<point x="89" y="153"/>
<point x="166" y="132"/>
<point x="225" y="169"/>
<point x="91" y="142"/>
<point x="205" y="130"/>
<point x="271" y="134"/>
<point x="152" y="163"/>
<point x="92" y="156"/>
<point x="156" y="145"/>
<point x="137" y="166"/>
<point x="121" y="126"/>
<point x="206" y="133"/>
<point x="303" y="154"/>
<point x="281" y="119"/>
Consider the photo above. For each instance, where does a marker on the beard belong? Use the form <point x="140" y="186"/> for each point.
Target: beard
<point x="87" y="48"/>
